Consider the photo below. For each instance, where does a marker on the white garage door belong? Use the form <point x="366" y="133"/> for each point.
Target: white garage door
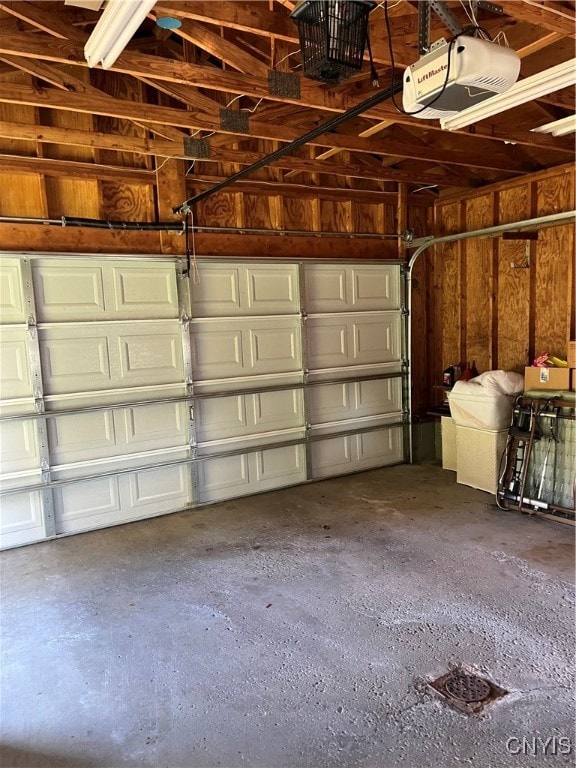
<point x="129" y="391"/>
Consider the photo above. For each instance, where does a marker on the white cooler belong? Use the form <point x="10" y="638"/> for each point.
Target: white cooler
<point x="473" y="406"/>
<point x="481" y="409"/>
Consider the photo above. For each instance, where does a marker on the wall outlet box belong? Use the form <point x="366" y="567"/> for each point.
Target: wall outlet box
<point x="546" y="378"/>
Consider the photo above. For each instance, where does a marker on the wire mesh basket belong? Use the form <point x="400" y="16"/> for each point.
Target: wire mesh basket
<point x="333" y="36"/>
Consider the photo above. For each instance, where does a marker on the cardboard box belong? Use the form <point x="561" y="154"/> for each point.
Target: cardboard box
<point x="571" y="354"/>
<point x="546" y="378"/>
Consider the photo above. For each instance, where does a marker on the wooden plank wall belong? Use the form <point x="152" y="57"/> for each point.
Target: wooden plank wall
<point x="488" y="302"/>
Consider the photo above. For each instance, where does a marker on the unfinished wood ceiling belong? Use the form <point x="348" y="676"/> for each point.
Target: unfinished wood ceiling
<point x="60" y="119"/>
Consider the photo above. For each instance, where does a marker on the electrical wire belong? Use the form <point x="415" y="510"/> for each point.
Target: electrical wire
<point x="286" y="57"/>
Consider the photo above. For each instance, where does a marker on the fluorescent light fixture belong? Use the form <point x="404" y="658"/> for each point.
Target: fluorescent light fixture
<point x="558" y="127"/>
<point x="114" y="30"/>
<point x="533" y="87"/>
<point x="91" y="5"/>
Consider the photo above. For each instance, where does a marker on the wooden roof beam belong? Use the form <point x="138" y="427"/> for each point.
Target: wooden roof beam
<point x="223" y="49"/>
<point x="312" y="96"/>
<point x="163" y="149"/>
<point x="109" y="106"/>
<point x="553" y="16"/>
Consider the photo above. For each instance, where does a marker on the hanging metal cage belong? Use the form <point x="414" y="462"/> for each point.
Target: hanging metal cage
<point x="333" y="35"/>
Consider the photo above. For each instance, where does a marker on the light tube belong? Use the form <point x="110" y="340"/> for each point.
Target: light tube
<point x="558" y="127"/>
<point x="114" y="30"/>
<point x="533" y="87"/>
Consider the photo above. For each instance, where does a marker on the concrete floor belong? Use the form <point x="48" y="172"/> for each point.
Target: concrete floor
<point x="294" y="628"/>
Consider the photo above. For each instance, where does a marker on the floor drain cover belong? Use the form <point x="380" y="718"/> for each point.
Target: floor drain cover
<point x="466" y="691"/>
<point x="466" y="687"/>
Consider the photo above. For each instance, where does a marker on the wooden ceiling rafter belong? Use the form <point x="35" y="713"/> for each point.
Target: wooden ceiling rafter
<point x="226" y="50"/>
<point x="109" y="106"/>
<point x="189" y="74"/>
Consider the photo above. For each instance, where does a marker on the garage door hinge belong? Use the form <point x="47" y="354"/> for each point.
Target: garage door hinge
<point x="406" y="417"/>
<point x="38" y="402"/>
<point x="31" y="323"/>
<point x="404" y="311"/>
<point x="303" y="315"/>
<point x="185" y="320"/>
<point x="405" y="365"/>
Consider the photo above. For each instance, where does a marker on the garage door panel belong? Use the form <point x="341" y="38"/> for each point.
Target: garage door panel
<point x="274" y="350"/>
<point x="81" y="437"/>
<point x="353" y="453"/>
<point x="379" y="447"/>
<point x="326" y="288"/>
<point x="328" y="342"/>
<point x="15" y="380"/>
<point x="145" y="291"/>
<point x="74" y="363"/>
<point x="156" y="491"/>
<point x="378" y="396"/>
<point x="226" y="290"/>
<point x="348" y="288"/>
<point x="376" y="340"/>
<point x="21" y="515"/>
<point x="19" y="446"/>
<point x="375" y="287"/>
<point x="154" y="426"/>
<point x="272" y="290"/>
<point x="278" y="410"/>
<point x="329" y="402"/>
<point x="109" y="332"/>
<point x="218" y="353"/>
<point x="218" y="292"/>
<point x="89" y="504"/>
<point x="150" y="357"/>
<point x="280" y="466"/>
<point x="332" y="456"/>
<point x="12" y="307"/>
<point x="225" y="349"/>
<point x="224" y="477"/>
<point x="220" y="417"/>
<point x="68" y="290"/>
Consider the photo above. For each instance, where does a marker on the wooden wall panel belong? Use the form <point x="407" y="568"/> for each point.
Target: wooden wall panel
<point x="127" y="202"/>
<point x="21" y="195"/>
<point x="217" y="211"/>
<point x="552" y="277"/>
<point x="513" y="300"/>
<point x="18" y="114"/>
<point x="297" y="214"/>
<point x="480" y="280"/>
<point x="368" y="218"/>
<point x="447" y="285"/>
<point x="336" y="216"/>
<point x="256" y="212"/>
<point x="496" y="313"/>
<point x="69" y="197"/>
